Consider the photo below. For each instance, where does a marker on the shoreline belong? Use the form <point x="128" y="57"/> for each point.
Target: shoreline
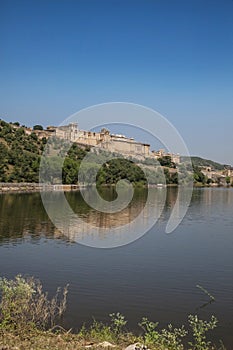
<point x="24" y="187"/>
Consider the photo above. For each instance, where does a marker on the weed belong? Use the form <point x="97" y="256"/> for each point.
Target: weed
<point x="99" y="332"/>
<point x="199" y="329"/>
<point x="118" y="322"/>
<point x="25" y="305"/>
<point x="151" y="335"/>
<point x="170" y="338"/>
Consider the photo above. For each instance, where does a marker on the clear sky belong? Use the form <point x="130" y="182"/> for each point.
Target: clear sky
<point x="175" y="56"/>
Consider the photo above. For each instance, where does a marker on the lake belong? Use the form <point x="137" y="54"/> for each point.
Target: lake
<point x="155" y="276"/>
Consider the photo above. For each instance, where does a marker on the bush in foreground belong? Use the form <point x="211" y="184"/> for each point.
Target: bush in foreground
<point x="26" y="312"/>
<point x="25" y="305"/>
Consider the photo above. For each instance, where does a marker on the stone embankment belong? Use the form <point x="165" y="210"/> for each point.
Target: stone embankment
<point x="34" y="187"/>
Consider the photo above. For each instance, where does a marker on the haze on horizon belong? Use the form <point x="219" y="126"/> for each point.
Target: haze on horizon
<point x="176" y="57"/>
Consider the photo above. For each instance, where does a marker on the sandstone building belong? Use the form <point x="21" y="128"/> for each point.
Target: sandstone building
<point x="105" y="140"/>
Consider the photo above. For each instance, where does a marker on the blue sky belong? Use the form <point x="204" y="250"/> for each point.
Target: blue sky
<point x="176" y="57"/>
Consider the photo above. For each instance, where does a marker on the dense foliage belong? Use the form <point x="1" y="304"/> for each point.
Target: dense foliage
<point x="117" y="169"/>
<point x="19" y="154"/>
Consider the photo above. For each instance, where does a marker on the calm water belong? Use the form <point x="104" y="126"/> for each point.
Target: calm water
<point x="156" y="276"/>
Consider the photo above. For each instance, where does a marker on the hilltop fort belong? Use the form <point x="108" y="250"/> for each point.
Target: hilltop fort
<point x="104" y="140"/>
<point x="21" y="148"/>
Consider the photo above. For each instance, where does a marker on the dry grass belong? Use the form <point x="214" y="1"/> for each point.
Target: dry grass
<point x="45" y="340"/>
<point x="38" y="340"/>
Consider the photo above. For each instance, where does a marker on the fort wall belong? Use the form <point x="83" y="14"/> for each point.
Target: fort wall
<point x="103" y="139"/>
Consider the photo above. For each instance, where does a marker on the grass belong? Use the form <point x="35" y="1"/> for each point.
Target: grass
<point x="30" y="320"/>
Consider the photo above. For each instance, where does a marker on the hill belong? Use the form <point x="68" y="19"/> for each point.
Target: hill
<point x="20" y="155"/>
<point x="199" y="162"/>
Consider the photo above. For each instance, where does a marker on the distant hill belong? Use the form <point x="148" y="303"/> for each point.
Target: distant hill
<point x="198" y="162"/>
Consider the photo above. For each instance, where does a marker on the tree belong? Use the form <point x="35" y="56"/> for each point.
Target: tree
<point x="34" y="136"/>
<point x="199" y="176"/>
<point x="19" y="133"/>
<point x="38" y="127"/>
<point x="174" y="178"/>
<point x="70" y="171"/>
<point x="167" y="161"/>
<point x="228" y="180"/>
<point x="51" y="169"/>
<point x="119" y="169"/>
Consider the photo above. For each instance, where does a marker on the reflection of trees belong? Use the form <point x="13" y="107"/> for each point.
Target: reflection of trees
<point x="171" y="197"/>
<point x="23" y="215"/>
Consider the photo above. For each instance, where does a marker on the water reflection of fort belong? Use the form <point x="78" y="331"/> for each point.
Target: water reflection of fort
<point x="89" y="222"/>
<point x="123" y="217"/>
<point x="23" y="215"/>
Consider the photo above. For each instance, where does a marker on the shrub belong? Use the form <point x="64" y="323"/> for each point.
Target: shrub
<point x="118" y="322"/>
<point x="25" y="305"/>
<point x="170" y="338"/>
<point x="199" y="328"/>
<point x="98" y="332"/>
<point x="151" y="335"/>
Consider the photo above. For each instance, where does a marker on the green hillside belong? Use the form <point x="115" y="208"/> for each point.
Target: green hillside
<point x="19" y="154"/>
<point x="198" y="162"/>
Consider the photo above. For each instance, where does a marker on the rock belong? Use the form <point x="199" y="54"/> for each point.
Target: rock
<point x="106" y="344"/>
<point x="136" y="346"/>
